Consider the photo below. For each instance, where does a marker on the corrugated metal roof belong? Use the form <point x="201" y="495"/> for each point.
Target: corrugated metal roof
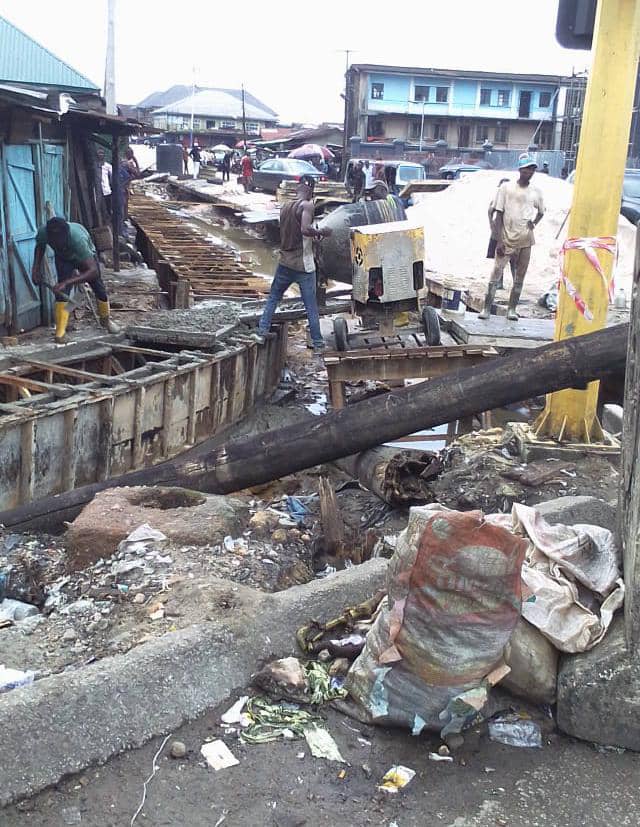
<point x="23" y="60"/>
<point x="220" y="103"/>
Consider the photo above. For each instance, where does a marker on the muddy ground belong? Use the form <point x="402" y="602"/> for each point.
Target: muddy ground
<point x="566" y="783"/>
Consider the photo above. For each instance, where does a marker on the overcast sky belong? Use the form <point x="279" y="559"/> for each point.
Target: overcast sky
<point x="290" y="54"/>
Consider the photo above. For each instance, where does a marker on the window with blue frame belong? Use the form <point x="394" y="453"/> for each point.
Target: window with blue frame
<point x="485" y="97"/>
<point x="421" y="93"/>
<point x="442" y="94"/>
<point x="377" y="91"/>
<point x="545" y="100"/>
<point x="504" y="97"/>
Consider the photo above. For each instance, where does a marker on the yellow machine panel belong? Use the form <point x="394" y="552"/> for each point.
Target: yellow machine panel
<point x="388" y="262"/>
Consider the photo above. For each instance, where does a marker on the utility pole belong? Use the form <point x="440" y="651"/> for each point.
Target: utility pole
<point x="110" y="63"/>
<point x="570" y="415"/>
<point x="193" y="103"/>
<point x="347" y="101"/>
<point x="244" y="122"/>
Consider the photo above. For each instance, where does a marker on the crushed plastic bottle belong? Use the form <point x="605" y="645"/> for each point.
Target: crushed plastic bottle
<point x="515" y="731"/>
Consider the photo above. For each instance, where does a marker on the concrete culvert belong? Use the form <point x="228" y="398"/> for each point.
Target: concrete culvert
<point x="166" y="498"/>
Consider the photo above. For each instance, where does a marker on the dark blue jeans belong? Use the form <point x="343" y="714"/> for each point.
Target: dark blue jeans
<point x="283" y="278"/>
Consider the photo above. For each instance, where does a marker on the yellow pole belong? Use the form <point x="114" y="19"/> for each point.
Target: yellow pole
<point x="570" y="415"/>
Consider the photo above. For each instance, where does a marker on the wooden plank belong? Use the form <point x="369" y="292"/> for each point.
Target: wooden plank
<point x="137" y="449"/>
<point x="26" y="460"/>
<point x="167" y="409"/>
<point x="68" y="450"/>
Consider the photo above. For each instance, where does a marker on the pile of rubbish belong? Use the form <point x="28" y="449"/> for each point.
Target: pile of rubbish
<point x="472" y="601"/>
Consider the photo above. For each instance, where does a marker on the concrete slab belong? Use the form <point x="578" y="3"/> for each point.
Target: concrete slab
<point x="498" y="331"/>
<point x="69" y="721"/>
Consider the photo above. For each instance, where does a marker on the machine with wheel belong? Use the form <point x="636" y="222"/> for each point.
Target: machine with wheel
<point x="388" y="272"/>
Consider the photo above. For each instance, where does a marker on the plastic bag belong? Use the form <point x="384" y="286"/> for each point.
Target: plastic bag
<point x="454" y="600"/>
<point x="515" y="731"/>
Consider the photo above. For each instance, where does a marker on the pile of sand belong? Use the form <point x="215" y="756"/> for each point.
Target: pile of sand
<point x="457" y="232"/>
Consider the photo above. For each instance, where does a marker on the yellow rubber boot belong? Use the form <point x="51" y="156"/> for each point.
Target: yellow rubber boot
<point x="61" y="315"/>
<point x="104" y="312"/>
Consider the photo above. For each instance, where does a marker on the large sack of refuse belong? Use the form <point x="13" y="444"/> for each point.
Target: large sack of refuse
<point x="533" y="662"/>
<point x="454" y="598"/>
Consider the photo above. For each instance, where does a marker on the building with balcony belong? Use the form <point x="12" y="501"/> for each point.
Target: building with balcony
<point x="217" y="114"/>
<point x="465" y="109"/>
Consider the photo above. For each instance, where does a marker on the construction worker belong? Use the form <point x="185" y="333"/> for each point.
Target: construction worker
<point x="518" y="208"/>
<point x="76" y="262"/>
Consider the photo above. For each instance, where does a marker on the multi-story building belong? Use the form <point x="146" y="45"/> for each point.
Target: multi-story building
<point x="217" y="115"/>
<point x="465" y="109"/>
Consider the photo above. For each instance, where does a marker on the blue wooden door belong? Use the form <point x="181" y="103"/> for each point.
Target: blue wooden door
<point x="53" y="203"/>
<point x="21" y="227"/>
<point x="5" y="296"/>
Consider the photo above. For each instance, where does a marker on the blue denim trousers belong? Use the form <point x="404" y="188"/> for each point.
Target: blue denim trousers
<point x="283" y="278"/>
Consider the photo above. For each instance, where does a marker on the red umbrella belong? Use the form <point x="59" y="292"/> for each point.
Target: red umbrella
<point x="312" y="151"/>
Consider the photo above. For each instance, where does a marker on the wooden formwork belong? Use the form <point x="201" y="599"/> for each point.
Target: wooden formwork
<point x="68" y="421"/>
<point x="178" y="252"/>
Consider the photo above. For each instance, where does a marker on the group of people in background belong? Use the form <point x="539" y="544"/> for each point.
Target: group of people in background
<point x="363" y="176"/>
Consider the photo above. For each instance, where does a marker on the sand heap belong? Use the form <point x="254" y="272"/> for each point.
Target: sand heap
<point x="457" y="232"/>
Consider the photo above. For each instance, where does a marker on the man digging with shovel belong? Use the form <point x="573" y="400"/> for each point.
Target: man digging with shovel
<point x="76" y="262"/>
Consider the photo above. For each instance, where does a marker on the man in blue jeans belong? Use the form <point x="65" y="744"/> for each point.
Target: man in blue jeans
<point x="296" y="263"/>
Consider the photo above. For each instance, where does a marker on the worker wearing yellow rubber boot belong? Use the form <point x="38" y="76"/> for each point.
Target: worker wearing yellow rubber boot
<point x="76" y="262"/>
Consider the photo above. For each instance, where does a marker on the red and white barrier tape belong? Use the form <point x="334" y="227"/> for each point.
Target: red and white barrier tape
<point x="588" y="247"/>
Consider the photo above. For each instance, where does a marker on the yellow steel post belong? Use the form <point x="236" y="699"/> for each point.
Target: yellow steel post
<point x="570" y="415"/>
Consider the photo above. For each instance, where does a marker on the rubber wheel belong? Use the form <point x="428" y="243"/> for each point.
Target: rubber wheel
<point x="341" y="333"/>
<point x="431" y="325"/>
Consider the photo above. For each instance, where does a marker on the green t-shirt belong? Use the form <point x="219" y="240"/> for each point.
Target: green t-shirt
<point x="79" y="248"/>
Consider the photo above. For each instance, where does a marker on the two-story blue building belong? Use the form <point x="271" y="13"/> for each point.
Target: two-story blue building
<point x="464" y="108"/>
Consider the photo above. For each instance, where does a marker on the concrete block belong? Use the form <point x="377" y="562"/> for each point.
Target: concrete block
<point x="612" y="418"/>
<point x="599" y="693"/>
<point x="570" y="510"/>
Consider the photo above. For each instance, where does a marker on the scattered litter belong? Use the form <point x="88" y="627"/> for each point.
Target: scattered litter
<point x="222" y="818"/>
<point x="14" y="678"/>
<point x="396" y="778"/>
<point x="606" y="749"/>
<point x="154" y="769"/>
<point x="218" y="755"/>
<point x="71" y="815"/>
<point x="515" y="731"/>
<point x="235" y="715"/>
<point x="157" y="615"/>
<point x="270" y="722"/>
<point x="322" y="744"/>
<point x="326" y="571"/>
<point x="139" y="540"/>
<point x="433" y="756"/>
<point x="297" y="509"/>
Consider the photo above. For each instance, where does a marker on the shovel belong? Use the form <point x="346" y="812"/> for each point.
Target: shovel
<point x="71" y="303"/>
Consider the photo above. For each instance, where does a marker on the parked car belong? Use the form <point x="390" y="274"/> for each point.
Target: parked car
<point x="455" y="169"/>
<point x="630" y="206"/>
<point x="631" y="196"/>
<point x="270" y="173"/>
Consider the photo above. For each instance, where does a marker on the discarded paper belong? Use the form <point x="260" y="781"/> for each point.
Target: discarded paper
<point x="218" y="755"/>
